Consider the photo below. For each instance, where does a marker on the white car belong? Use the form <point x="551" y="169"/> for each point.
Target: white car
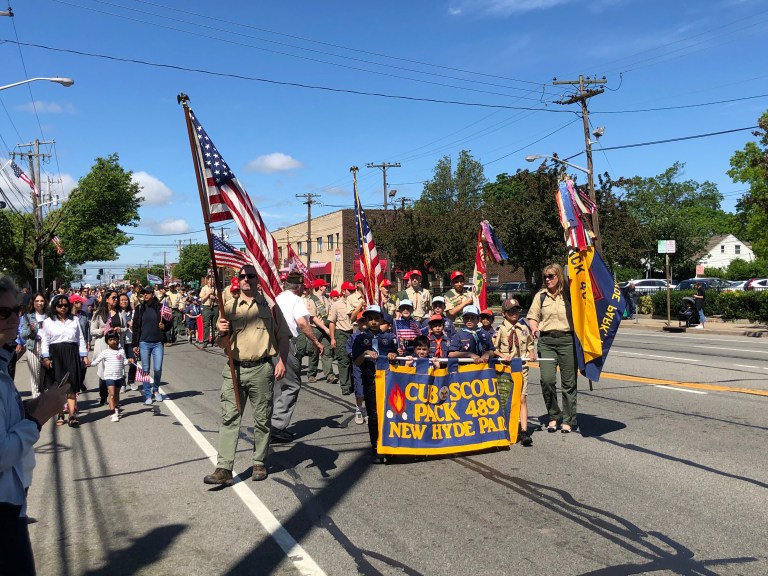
<point x="650" y="285"/>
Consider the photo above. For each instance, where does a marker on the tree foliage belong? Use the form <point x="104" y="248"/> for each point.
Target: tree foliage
<point x="667" y="208"/>
<point x="750" y="166"/>
<point x="194" y="262"/>
<point x="139" y="274"/>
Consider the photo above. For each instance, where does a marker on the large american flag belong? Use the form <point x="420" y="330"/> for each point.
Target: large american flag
<point x="228" y="200"/>
<point x="22" y="176"/>
<point x="370" y="267"/>
<point x="294" y="262"/>
<point x="227" y="255"/>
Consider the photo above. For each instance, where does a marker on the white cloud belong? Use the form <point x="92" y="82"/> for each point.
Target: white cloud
<point x="43" y="107"/>
<point x="275" y="162"/>
<point x="337" y="191"/>
<point x="502" y="7"/>
<point x="154" y="191"/>
<point x="167" y="226"/>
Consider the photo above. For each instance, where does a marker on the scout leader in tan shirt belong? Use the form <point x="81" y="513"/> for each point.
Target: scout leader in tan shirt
<point x="356" y="300"/>
<point x="420" y="297"/>
<point x="340" y="326"/>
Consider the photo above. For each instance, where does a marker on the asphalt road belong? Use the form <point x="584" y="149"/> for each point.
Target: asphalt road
<point x="668" y="475"/>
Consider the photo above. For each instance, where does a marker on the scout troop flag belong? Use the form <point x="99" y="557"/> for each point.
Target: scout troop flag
<point x="228" y="200"/>
<point x="479" y="290"/>
<point x="370" y="265"/>
<point x="294" y="262"/>
<point x="154" y="280"/>
<point x="596" y="302"/>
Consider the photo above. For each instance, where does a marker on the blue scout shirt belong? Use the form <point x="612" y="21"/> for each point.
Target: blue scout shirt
<point x="448" y="328"/>
<point x="477" y="342"/>
<point x="383" y="343"/>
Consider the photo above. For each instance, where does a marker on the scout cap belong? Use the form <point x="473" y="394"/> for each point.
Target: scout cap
<point x="319" y="283"/>
<point x="404" y="303"/>
<point x="415" y="273"/>
<point x="334" y="294"/>
<point x="510" y="304"/>
<point x="385" y="283"/>
<point x="407" y="275"/>
<point x="234" y="284"/>
<point x="372" y="310"/>
<point x="359" y="277"/>
<point x="456" y="274"/>
<point x="435" y="318"/>
<point x="487" y="312"/>
<point x="438" y="299"/>
<point x="294" y="278"/>
<point x="386" y="318"/>
<point x="470" y="309"/>
<point x="347" y="286"/>
<point x="147" y="290"/>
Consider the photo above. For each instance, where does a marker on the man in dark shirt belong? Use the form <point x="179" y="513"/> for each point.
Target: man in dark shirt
<point x="148" y="336"/>
<point x="699" y="297"/>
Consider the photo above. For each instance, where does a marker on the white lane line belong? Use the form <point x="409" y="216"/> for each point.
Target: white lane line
<point x="749" y="366"/>
<point x="731" y="349"/>
<point x="295" y="553"/>
<point x="662" y="357"/>
<point x="680" y="389"/>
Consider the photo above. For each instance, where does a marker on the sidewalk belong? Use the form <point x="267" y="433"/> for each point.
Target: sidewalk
<point x="712" y="326"/>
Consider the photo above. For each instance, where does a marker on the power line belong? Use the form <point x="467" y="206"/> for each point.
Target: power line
<point x="682" y="106"/>
<point x="26" y="77"/>
<point x="281" y="83"/>
<point x="678" y="139"/>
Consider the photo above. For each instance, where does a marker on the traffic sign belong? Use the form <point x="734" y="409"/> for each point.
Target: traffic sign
<point x="667" y="247"/>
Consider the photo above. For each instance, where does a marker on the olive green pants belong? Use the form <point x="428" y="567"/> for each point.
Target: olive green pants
<point x="256" y="386"/>
<point x="560" y="349"/>
<point x="326" y="358"/>
<point x="345" y="362"/>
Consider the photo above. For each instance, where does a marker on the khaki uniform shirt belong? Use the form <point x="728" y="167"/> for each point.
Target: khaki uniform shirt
<point x="320" y="308"/>
<point x="389" y="306"/>
<point x="525" y="341"/>
<point x="135" y="300"/>
<point x="453" y="299"/>
<point x="255" y="332"/>
<point x="422" y="302"/>
<point x="550" y="315"/>
<point x="174" y="299"/>
<point x="204" y="292"/>
<point x="353" y="301"/>
<point x="339" y="315"/>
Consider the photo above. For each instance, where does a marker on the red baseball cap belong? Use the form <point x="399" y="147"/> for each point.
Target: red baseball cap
<point x="319" y="283"/>
<point x="407" y="275"/>
<point x="436" y="318"/>
<point x="234" y="283"/>
<point x="347" y="286"/>
<point x="456" y="274"/>
<point x="487" y="312"/>
<point x="359" y="277"/>
<point x="334" y="294"/>
<point x="416" y="273"/>
<point x="385" y="283"/>
<point x="76" y="298"/>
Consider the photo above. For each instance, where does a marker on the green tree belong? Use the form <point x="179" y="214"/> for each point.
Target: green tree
<point x="194" y="262"/>
<point x="623" y="241"/>
<point x="750" y="166"/>
<point x="667" y="208"/>
<point x="461" y="188"/>
<point x="139" y="274"/>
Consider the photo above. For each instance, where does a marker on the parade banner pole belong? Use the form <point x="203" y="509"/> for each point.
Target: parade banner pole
<point x="183" y="99"/>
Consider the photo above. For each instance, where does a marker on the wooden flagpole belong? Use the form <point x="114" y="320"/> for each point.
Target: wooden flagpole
<point x="183" y="99"/>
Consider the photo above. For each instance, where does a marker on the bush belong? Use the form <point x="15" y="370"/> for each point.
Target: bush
<point x="493" y="299"/>
<point x="676" y="302"/>
<point x="752" y="306"/>
<point x="645" y="304"/>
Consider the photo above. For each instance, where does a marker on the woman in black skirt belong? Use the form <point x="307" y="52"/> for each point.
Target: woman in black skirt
<point x="63" y="350"/>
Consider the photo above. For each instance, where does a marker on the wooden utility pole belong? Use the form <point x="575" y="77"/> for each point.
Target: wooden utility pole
<point x="384" y="166"/>
<point x="309" y="200"/>
<point x="585" y="93"/>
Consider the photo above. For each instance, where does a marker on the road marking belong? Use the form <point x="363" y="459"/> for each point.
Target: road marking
<point x="748" y="366"/>
<point x="694" y="385"/>
<point x="679" y="389"/>
<point x="662" y="357"/>
<point x="731" y="349"/>
<point x="295" y="553"/>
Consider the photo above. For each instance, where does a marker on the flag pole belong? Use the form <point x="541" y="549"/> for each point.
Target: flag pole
<point x="183" y="99"/>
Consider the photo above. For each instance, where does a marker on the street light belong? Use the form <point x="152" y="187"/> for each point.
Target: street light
<point x="66" y="82"/>
<point x="556" y="159"/>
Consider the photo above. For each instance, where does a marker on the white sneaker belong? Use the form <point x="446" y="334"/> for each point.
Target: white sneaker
<point x="699" y="327"/>
<point x="122" y="389"/>
<point x="115" y="417"/>
<point x="134" y="387"/>
<point x="359" y="419"/>
<point x="159" y="397"/>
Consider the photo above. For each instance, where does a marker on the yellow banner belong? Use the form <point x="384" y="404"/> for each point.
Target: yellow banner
<point x="583" y="304"/>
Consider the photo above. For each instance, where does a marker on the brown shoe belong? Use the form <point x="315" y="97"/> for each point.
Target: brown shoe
<point x="312" y="379"/>
<point x="259" y="473"/>
<point x="220" y="476"/>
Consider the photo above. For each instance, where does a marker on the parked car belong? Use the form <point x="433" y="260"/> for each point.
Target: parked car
<point x="757" y="284"/>
<point x="736" y="285"/>
<point x="509" y="289"/>
<point x="708" y="283"/>
<point x="648" y="285"/>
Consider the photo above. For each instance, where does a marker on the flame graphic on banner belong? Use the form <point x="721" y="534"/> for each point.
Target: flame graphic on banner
<point x="397" y="399"/>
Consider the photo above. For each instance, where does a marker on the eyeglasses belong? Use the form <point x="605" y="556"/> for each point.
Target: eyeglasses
<point x="249" y="276"/>
<point x="62" y="304"/>
<point x="112" y="298"/>
<point x="6" y="312"/>
<point x="550" y="276"/>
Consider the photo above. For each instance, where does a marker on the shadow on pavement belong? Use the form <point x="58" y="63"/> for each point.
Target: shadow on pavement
<point x="592" y="426"/>
<point x="142" y="552"/>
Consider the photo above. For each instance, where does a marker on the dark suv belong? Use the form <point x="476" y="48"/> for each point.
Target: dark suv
<point x="708" y="283"/>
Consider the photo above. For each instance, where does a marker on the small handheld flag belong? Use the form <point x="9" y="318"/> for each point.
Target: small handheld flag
<point x="142" y="376"/>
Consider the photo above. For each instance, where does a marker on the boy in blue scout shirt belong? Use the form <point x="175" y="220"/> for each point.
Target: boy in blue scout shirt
<point x="438" y="309"/>
<point x="360" y="326"/>
<point x="366" y="349"/>
<point x="439" y="341"/>
<point x="469" y="342"/>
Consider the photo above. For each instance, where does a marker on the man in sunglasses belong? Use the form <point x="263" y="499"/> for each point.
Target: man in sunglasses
<point x="256" y="337"/>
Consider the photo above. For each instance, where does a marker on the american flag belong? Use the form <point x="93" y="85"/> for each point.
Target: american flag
<point x="57" y="242"/>
<point x="22" y="176"/>
<point x="227" y="255"/>
<point x="295" y="262"/>
<point x="165" y="311"/>
<point x="370" y="267"/>
<point x="227" y="200"/>
<point x="407" y="329"/>
<point x="141" y="376"/>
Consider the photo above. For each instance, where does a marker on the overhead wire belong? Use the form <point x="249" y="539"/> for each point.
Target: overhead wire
<point x="26" y="77"/>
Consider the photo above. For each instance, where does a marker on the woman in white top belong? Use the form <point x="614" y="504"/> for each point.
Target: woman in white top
<point x="106" y="318"/>
<point x="63" y="349"/>
<point x="31" y="323"/>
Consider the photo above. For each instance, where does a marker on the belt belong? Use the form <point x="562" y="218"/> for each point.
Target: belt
<point x="252" y="363"/>
<point x="555" y="333"/>
<point x="345" y="331"/>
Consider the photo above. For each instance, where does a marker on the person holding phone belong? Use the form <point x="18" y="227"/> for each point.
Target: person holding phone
<point x="63" y="350"/>
<point x="20" y="425"/>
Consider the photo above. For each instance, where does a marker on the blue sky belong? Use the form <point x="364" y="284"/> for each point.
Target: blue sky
<point x="286" y="140"/>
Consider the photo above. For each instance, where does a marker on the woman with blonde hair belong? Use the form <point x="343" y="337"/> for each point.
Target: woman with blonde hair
<point x="552" y="325"/>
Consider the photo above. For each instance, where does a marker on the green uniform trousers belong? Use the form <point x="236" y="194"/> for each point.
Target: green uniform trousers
<point x="560" y="348"/>
<point x="210" y="317"/>
<point x="256" y="386"/>
<point x="327" y="358"/>
<point x="345" y="362"/>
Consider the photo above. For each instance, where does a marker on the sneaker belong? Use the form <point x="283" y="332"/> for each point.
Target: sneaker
<point x="159" y="397"/>
<point x="122" y="389"/>
<point x="526" y="439"/>
<point x="115" y="417"/>
<point x="148" y="402"/>
<point x="312" y="379"/>
<point x="359" y="419"/>
<point x="699" y="327"/>
<point x="134" y="387"/>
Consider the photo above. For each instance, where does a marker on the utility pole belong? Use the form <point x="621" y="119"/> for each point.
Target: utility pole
<point x="37" y="207"/>
<point x="585" y="93"/>
<point x="384" y="166"/>
<point x="309" y="200"/>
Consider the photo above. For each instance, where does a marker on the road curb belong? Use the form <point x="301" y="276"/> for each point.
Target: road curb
<point x="658" y="326"/>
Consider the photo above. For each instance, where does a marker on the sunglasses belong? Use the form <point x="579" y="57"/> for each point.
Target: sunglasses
<point x="6" y="312"/>
<point x="62" y="305"/>
<point x="550" y="276"/>
<point x="249" y="276"/>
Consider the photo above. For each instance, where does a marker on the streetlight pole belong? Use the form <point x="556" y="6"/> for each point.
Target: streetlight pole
<point x="66" y="82"/>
